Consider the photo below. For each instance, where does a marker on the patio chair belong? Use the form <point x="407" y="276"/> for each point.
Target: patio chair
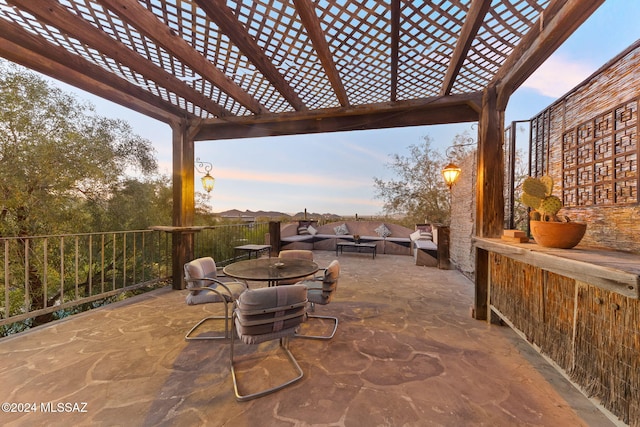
<point x="205" y="286"/>
<point x="297" y="254"/>
<point x="262" y="315"/>
<point x="320" y="290"/>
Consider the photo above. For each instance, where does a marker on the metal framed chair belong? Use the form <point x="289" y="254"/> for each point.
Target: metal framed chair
<point x="205" y="286"/>
<point x="262" y="315"/>
<point x="297" y="254"/>
<point x="320" y="290"/>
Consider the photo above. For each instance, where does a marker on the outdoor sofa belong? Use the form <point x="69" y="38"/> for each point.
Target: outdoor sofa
<point x="389" y="238"/>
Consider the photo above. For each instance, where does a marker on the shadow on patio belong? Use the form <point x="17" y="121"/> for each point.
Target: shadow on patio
<point x="407" y="352"/>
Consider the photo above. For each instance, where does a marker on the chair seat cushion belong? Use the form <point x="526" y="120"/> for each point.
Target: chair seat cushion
<point x="204" y="297"/>
<point x="270" y="310"/>
<point x="319" y="296"/>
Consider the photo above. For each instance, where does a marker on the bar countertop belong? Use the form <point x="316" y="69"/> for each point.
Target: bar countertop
<point x="616" y="271"/>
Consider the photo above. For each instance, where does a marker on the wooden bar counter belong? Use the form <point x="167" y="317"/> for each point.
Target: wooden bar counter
<point x="579" y="307"/>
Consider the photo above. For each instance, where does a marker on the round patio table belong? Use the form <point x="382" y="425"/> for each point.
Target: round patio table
<point x="271" y="270"/>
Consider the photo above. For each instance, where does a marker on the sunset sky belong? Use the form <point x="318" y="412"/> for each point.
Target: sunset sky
<point x="334" y="172"/>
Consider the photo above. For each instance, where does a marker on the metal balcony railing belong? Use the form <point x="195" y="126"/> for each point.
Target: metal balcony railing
<point x="218" y="241"/>
<point x="49" y="277"/>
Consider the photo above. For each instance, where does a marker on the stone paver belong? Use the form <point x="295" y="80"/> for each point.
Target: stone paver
<point x="407" y="353"/>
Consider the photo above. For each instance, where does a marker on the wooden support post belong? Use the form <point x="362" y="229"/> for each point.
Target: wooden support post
<point x="489" y="190"/>
<point x="274" y="237"/>
<point x="183" y="201"/>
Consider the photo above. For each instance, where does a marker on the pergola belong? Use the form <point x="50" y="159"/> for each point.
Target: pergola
<point x="215" y="69"/>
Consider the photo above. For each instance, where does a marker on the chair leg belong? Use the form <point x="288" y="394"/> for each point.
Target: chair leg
<point x="321" y="337"/>
<point x="284" y="345"/>
<point x="189" y="337"/>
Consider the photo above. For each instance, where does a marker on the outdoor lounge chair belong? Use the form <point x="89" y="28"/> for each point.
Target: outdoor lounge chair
<point x="262" y="315"/>
<point x="205" y="287"/>
<point x="320" y="290"/>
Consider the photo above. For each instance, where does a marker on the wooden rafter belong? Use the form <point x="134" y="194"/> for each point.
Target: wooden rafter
<point x="310" y="21"/>
<point x="36" y="53"/>
<point x="51" y="12"/>
<point x="437" y="110"/>
<point x="472" y="24"/>
<point x="395" y="46"/>
<point x="143" y="20"/>
<point x="558" y="22"/>
<point x="219" y="13"/>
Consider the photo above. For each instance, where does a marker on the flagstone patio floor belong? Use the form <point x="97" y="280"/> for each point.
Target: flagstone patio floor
<point x="407" y="353"/>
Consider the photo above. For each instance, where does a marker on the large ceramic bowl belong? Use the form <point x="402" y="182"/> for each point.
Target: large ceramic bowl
<point x="562" y="235"/>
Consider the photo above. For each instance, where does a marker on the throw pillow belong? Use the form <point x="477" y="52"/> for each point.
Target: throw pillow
<point x="383" y="231"/>
<point x="426" y="235"/>
<point x="303" y="230"/>
<point x="312" y="230"/>
<point x="341" y="230"/>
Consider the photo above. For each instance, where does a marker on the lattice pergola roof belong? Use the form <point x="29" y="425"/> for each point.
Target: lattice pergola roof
<point x="242" y="68"/>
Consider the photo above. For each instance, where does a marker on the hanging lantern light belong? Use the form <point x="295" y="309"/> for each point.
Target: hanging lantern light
<point x="451" y="173"/>
<point x="207" y="180"/>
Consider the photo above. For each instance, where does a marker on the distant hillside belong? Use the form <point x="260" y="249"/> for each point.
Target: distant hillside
<point x="235" y="213"/>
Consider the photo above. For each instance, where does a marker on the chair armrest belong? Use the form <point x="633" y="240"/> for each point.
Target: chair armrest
<point x="217" y="282"/>
<point x="224" y="297"/>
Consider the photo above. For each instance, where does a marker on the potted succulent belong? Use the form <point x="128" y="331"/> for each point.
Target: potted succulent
<point x="547" y="228"/>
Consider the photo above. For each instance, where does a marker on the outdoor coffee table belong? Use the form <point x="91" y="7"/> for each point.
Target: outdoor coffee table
<point x="271" y="270"/>
<point x="253" y="249"/>
<point x="357" y="246"/>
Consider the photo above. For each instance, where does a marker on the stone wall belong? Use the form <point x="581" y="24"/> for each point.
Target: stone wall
<point x="603" y="105"/>
<point x="463" y="217"/>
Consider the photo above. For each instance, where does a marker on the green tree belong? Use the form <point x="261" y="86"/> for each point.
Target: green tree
<point x="57" y="155"/>
<point x="418" y="191"/>
<point x="65" y="169"/>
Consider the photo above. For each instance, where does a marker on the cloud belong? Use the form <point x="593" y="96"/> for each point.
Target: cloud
<point x="283" y="178"/>
<point x="376" y="155"/>
<point x="558" y="75"/>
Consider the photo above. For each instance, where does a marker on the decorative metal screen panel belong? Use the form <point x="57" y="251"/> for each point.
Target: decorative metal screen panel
<point x="600" y="159"/>
<point x="539" y="145"/>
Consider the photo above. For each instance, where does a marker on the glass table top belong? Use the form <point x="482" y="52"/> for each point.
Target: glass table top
<point x="271" y="269"/>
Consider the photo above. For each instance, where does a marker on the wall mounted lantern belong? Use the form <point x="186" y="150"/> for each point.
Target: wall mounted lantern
<point x="207" y="180"/>
<point x="451" y="173"/>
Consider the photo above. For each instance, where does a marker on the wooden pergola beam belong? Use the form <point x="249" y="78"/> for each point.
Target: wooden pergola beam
<point x="219" y="12"/>
<point x="437" y="110"/>
<point x="473" y="22"/>
<point x="53" y="13"/>
<point x="310" y="20"/>
<point x="395" y="48"/>
<point x="558" y="22"/>
<point x="146" y="22"/>
<point x="36" y="53"/>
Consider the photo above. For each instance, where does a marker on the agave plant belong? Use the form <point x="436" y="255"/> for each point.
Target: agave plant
<point x="536" y="194"/>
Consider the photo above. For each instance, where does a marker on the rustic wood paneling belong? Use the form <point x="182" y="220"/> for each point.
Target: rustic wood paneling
<point x="592" y="333"/>
<point x="587" y="141"/>
<point x="606" y="354"/>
